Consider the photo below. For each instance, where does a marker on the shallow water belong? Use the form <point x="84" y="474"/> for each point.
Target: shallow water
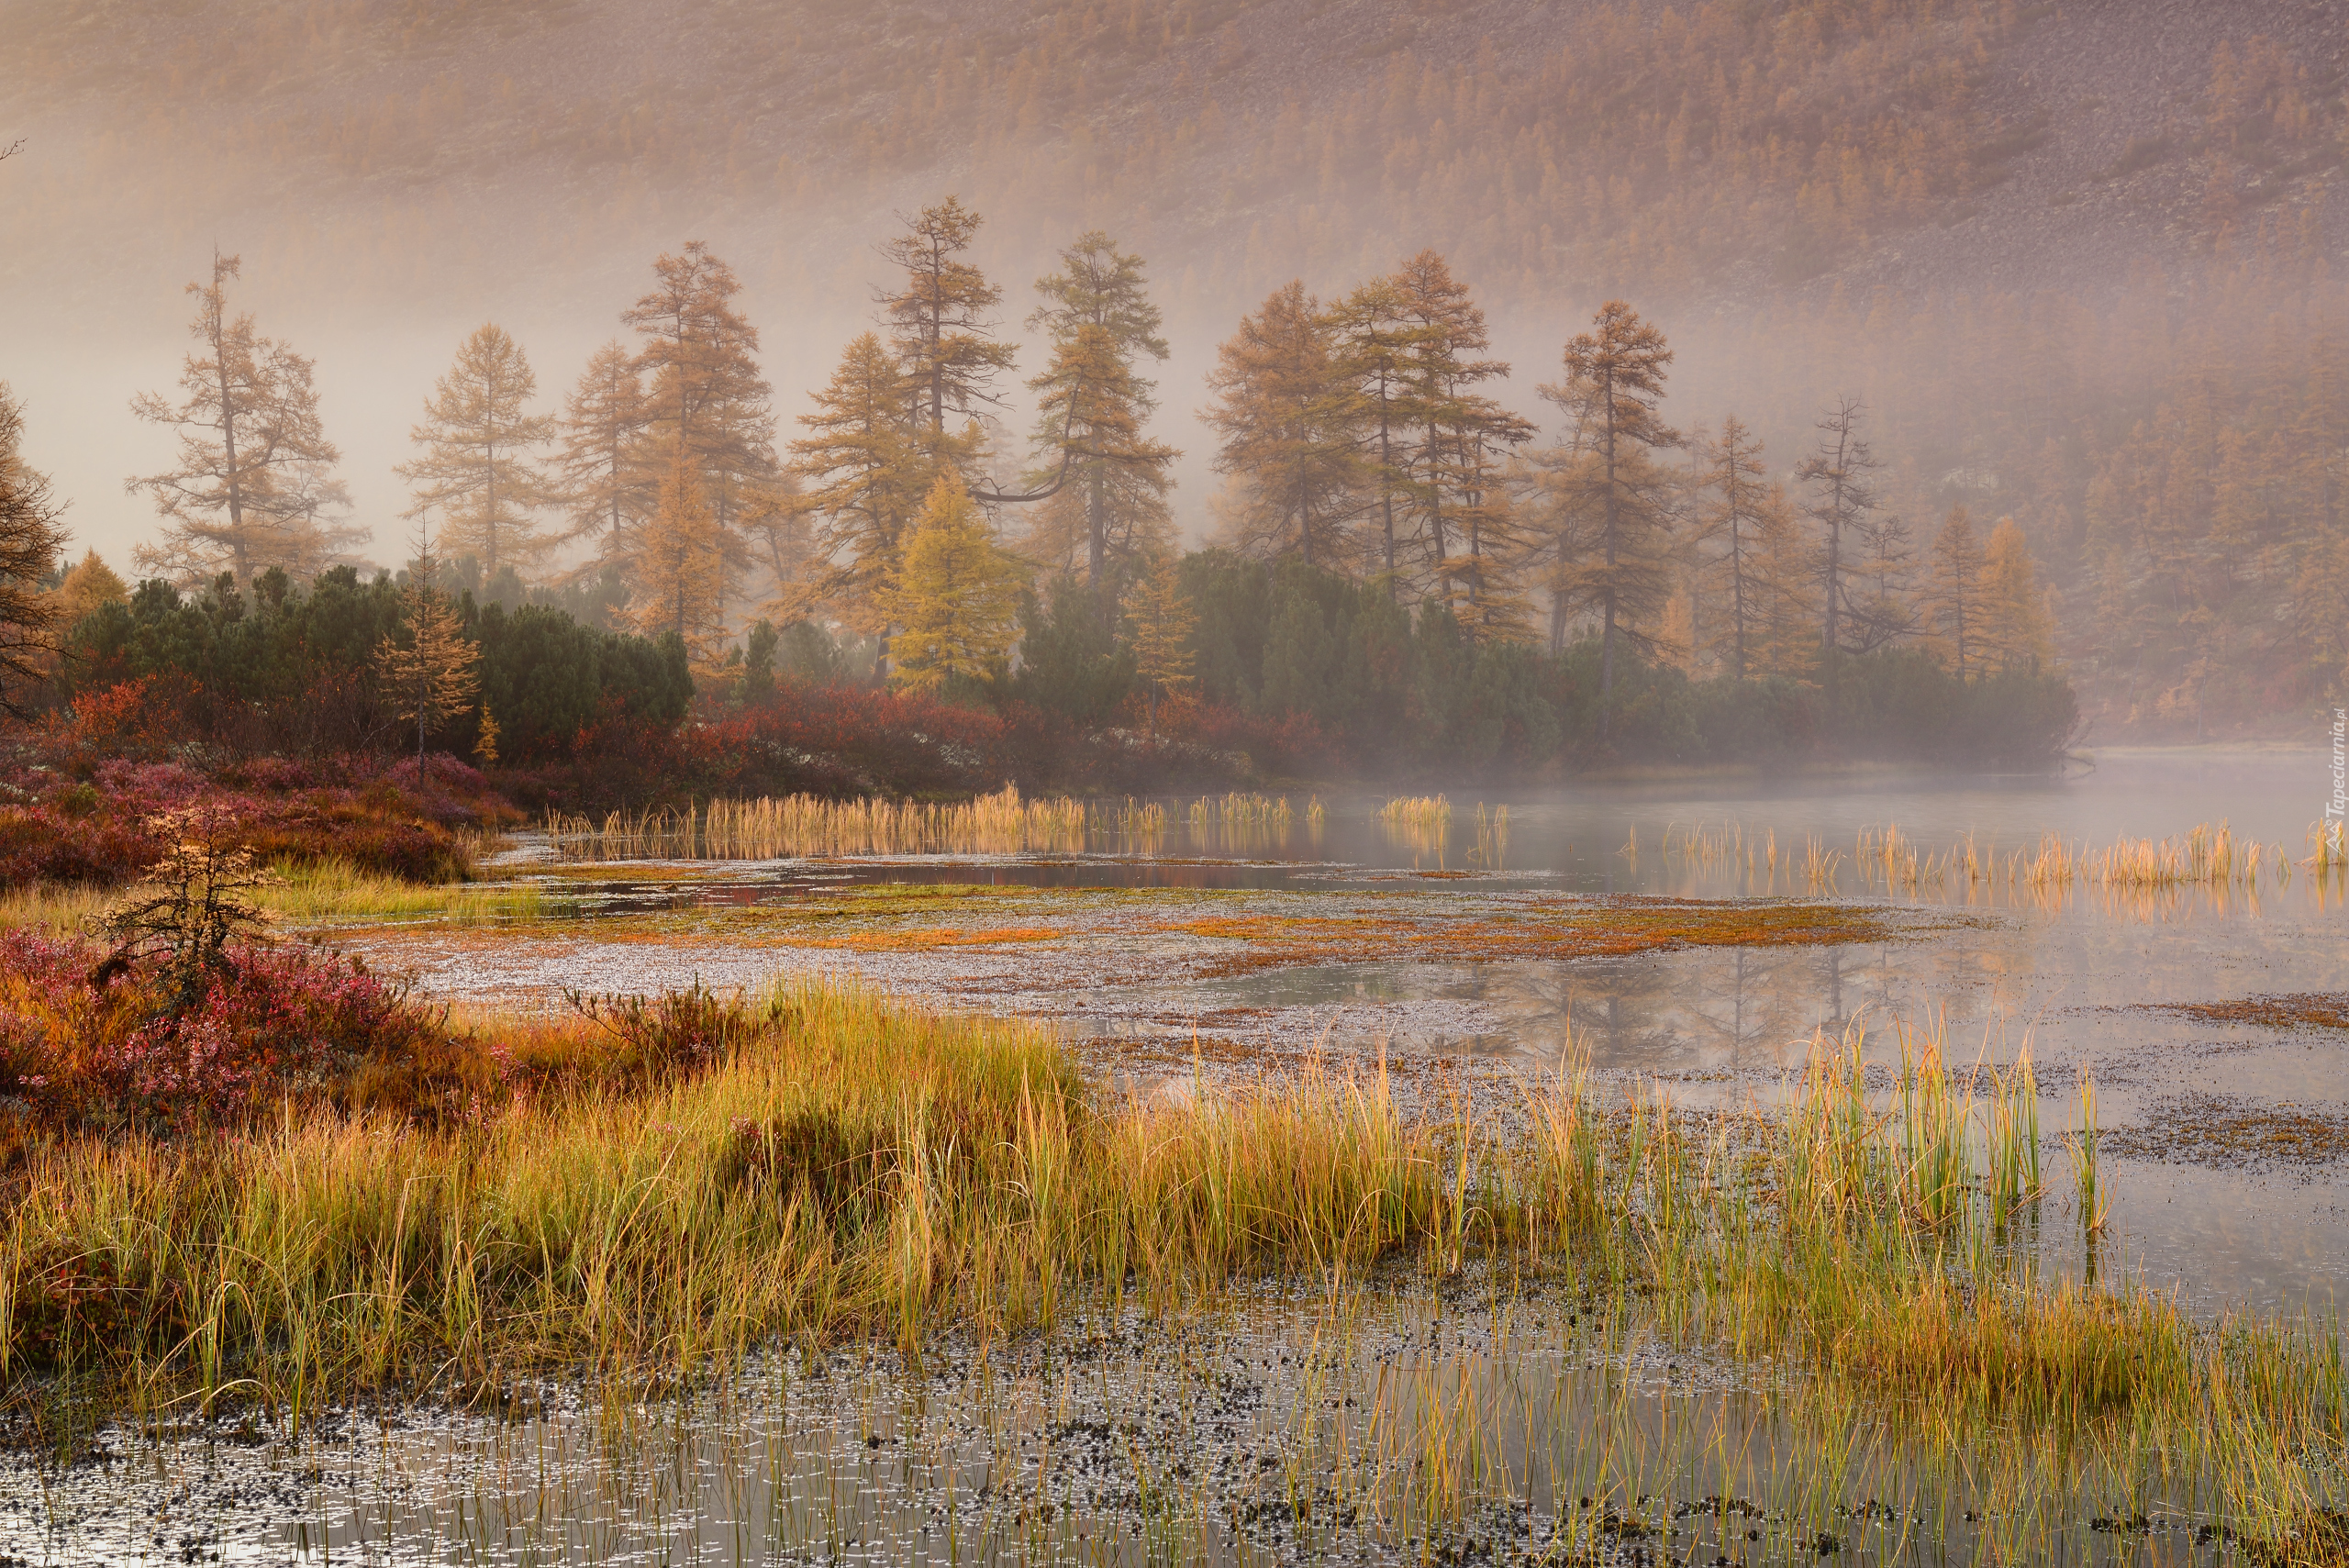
<point x="2079" y="977"/>
<point x="1454" y="1426"/>
<point x="1416" y="1427"/>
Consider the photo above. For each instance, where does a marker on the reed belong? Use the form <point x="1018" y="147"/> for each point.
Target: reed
<point x="854" y="1167"/>
<point x="301" y="892"/>
<point x="771" y="829"/>
<point x="1416" y="814"/>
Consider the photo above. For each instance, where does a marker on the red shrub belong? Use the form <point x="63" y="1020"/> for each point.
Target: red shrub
<point x="280" y="1020"/>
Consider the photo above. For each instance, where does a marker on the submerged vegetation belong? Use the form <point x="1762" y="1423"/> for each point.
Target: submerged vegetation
<point x="650" y="1189"/>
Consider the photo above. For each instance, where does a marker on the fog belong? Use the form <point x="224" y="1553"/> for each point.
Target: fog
<point x="2015" y="237"/>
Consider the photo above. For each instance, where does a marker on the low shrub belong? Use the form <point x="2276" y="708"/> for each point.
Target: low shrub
<point x="83" y="1049"/>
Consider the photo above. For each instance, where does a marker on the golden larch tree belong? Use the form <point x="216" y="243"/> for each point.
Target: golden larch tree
<point x="702" y="388"/>
<point x="1841" y="472"/>
<point x="1088" y="438"/>
<point x="1739" y="516"/>
<point x="1956" y="593"/>
<point x="942" y="325"/>
<point x="1465" y="523"/>
<point x="429" y="670"/>
<point x="478" y="472"/>
<point x="1160" y="619"/>
<point x="2017" y="629"/>
<point x="1283" y="410"/>
<point x="30" y="540"/>
<point x="1610" y="502"/>
<point x="254" y="484"/>
<point x="863" y="470"/>
<point x="682" y="572"/>
<point x="957" y="595"/>
<point x="600" y="464"/>
<point x="1110" y="508"/>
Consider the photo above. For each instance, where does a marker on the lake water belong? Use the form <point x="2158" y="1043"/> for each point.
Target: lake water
<point x="1114" y="1439"/>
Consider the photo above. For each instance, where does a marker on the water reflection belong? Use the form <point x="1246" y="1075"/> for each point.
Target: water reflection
<point x="1492" y="1422"/>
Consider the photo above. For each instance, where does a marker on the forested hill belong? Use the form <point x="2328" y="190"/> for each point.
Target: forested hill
<point x="1720" y="150"/>
<point x="2080" y="261"/>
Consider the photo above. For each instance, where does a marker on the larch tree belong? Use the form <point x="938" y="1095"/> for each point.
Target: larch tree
<point x="1451" y="472"/>
<point x="864" y="470"/>
<point x="940" y="322"/>
<point x="1957" y="593"/>
<point x="682" y="568"/>
<point x="1160" y="619"/>
<point x="1611" y="501"/>
<point x="1731" y="534"/>
<point x="699" y="360"/>
<point x="1375" y="343"/>
<point x="1840" y="473"/>
<point x="600" y="461"/>
<point x="1879" y="599"/>
<point x="1284" y="412"/>
<point x="479" y="471"/>
<point x="1101" y="324"/>
<point x="254" y="485"/>
<point x="2017" y="629"/>
<point x="30" y="540"/>
<point x="957" y="595"/>
<point x="429" y="670"/>
<point x="1090" y="406"/>
<point x="91" y="584"/>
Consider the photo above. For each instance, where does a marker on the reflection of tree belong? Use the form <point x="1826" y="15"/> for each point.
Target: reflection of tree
<point x="1749" y="1006"/>
<point x="1620" y="1009"/>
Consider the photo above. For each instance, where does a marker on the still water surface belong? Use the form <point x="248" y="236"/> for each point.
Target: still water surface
<point x="1284" y="1429"/>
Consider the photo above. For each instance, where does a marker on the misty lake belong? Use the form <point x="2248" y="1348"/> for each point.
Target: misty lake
<point x="1463" y="955"/>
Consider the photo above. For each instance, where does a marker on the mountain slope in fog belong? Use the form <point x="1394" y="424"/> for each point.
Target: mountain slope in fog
<point x="2079" y="261"/>
<point x="1723" y="151"/>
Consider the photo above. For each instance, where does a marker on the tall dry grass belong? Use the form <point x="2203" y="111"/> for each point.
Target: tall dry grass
<point x="770" y="828"/>
<point x="851" y="1166"/>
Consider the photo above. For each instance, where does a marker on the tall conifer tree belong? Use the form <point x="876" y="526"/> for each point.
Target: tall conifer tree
<point x="30" y="540"/>
<point x="1450" y="472"/>
<point x="941" y="322"/>
<point x="1610" y="500"/>
<point x="1734" y="529"/>
<point x="700" y="357"/>
<point x="607" y="482"/>
<point x="865" y="468"/>
<point x="1841" y="471"/>
<point x="254" y="482"/>
<point x="1956" y="595"/>
<point x="1285" y="417"/>
<point x="478" y="471"/>
<point x="1102" y="324"/>
<point x="683" y="571"/>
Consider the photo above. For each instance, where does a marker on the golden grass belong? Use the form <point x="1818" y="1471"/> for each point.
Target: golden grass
<point x="858" y="1168"/>
<point x="803" y="825"/>
<point x="2206" y="856"/>
<point x="303" y="892"/>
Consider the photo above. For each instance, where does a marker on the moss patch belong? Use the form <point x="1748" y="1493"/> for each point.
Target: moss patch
<point x="2217" y="1132"/>
<point x="1614" y="930"/>
<point x="2299" y="1010"/>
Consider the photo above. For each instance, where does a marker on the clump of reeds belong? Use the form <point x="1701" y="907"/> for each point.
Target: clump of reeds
<point x="769" y="828"/>
<point x="826" y="1162"/>
<point x="1416" y="814"/>
<point x="2328" y="847"/>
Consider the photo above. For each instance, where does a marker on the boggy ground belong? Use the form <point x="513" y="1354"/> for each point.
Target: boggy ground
<point x="1148" y="982"/>
<point x="1480" y="1417"/>
<point x="851" y="1281"/>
